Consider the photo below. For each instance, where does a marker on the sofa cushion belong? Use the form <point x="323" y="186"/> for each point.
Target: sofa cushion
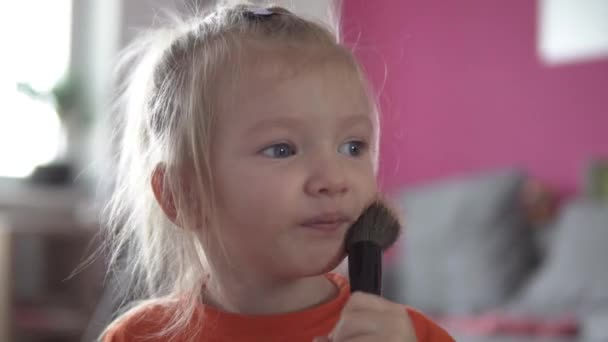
<point x="574" y="276"/>
<point x="466" y="244"/>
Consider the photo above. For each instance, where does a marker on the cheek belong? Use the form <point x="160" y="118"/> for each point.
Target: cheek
<point x="367" y="179"/>
<point x="252" y="183"/>
<point x="366" y="188"/>
<point x="252" y="195"/>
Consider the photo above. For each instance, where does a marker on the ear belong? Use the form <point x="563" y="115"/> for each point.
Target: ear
<point x="164" y="197"/>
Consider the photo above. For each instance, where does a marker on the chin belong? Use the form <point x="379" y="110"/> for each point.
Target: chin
<point x="311" y="267"/>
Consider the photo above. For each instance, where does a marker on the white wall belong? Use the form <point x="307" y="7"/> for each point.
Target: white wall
<point x="572" y="30"/>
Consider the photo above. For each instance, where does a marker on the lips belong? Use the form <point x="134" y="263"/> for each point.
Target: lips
<point x="327" y="222"/>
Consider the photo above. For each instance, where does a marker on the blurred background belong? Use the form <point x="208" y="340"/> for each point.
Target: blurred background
<point x="494" y="149"/>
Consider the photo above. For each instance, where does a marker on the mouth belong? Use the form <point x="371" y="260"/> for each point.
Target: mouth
<point x="327" y="222"/>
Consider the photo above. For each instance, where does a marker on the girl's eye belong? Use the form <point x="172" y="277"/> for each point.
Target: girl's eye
<point x="353" y="148"/>
<point x="282" y="150"/>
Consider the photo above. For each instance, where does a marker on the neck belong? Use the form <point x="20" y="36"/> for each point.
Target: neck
<point x="256" y="296"/>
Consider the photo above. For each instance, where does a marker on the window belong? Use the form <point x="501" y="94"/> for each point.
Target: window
<point x="36" y="36"/>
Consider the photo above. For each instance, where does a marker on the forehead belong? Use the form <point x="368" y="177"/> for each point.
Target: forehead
<point x="294" y="82"/>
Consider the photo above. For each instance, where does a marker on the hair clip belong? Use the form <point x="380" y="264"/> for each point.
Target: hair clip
<point x="259" y="13"/>
<point x="262" y="11"/>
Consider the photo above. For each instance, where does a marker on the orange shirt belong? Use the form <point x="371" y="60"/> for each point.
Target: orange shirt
<point x="211" y="325"/>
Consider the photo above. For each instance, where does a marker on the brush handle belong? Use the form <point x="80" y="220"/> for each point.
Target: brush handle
<point x="365" y="267"/>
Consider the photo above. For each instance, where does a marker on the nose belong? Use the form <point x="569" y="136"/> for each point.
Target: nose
<point x="327" y="179"/>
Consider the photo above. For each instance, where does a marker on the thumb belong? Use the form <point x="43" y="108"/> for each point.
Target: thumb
<point x="321" y="339"/>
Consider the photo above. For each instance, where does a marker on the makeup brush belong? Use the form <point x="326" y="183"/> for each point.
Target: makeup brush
<point x="374" y="231"/>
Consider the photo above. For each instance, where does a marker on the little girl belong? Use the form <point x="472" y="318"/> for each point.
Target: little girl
<point x="249" y="146"/>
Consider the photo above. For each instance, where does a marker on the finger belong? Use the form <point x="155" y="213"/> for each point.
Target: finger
<point x="363" y="338"/>
<point x="377" y="325"/>
<point x="356" y="324"/>
<point x="359" y="337"/>
<point x="359" y="301"/>
<point x="321" y="339"/>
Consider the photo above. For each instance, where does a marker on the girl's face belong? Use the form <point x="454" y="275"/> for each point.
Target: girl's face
<point x="293" y="168"/>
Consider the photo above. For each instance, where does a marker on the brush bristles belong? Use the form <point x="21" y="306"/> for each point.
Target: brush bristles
<point x="377" y="223"/>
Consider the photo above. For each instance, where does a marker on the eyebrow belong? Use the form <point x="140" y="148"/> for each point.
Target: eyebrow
<point x="357" y="119"/>
<point x="281" y="122"/>
<point x="289" y="122"/>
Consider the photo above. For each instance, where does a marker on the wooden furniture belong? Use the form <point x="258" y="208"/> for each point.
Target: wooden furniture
<point x="44" y="237"/>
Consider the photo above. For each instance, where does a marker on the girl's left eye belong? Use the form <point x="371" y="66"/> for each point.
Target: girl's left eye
<point x="353" y="148"/>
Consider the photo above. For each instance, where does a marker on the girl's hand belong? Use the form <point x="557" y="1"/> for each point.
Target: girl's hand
<point x="367" y="317"/>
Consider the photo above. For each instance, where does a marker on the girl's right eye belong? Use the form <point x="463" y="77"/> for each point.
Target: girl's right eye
<point x="282" y="150"/>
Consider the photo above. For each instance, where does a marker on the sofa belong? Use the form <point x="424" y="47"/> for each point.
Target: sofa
<point x="471" y="256"/>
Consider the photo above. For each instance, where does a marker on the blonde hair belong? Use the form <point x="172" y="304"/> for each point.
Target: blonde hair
<point x="167" y="103"/>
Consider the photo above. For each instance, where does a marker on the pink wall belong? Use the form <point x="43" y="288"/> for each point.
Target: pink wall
<point x="465" y="91"/>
